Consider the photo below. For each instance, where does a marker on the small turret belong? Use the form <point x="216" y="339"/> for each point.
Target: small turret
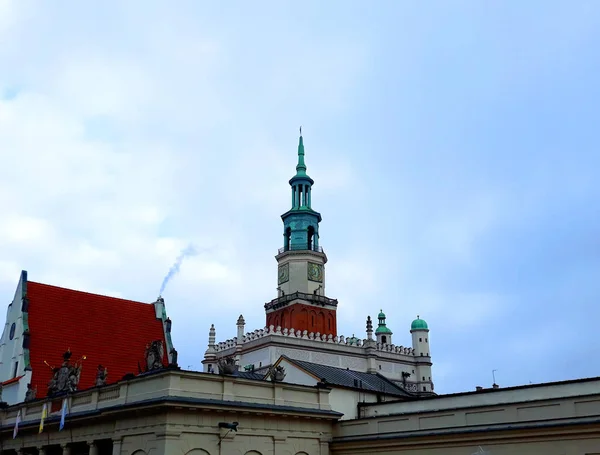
<point x="210" y="356"/>
<point x="420" y="341"/>
<point x="420" y="337"/>
<point x="240" y="329"/>
<point x="369" y="328"/>
<point x="383" y="333"/>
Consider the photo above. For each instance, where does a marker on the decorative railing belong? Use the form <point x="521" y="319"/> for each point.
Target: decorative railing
<point x="304" y="247"/>
<point x="313" y="298"/>
<point x="306" y="335"/>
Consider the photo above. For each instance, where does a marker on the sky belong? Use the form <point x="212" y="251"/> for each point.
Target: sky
<point x="451" y="143"/>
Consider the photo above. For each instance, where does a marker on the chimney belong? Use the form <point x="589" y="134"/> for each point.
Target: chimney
<point x="495" y="386"/>
<point x="478" y="388"/>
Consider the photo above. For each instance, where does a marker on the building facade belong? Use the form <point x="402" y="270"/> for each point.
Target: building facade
<point x="173" y="412"/>
<point x="561" y="418"/>
<point x="301" y="322"/>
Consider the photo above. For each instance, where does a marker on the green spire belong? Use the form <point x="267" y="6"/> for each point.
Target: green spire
<point x="301" y="167"/>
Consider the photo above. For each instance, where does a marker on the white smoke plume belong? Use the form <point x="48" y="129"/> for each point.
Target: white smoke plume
<point x="190" y="250"/>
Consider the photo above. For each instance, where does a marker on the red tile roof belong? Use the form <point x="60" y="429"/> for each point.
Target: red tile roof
<point x="108" y="331"/>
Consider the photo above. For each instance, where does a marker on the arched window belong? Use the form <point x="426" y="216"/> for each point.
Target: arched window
<point x="310" y="237"/>
<point x="286" y="239"/>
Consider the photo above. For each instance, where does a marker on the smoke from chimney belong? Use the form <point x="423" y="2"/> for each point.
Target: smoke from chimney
<point x="190" y="250"/>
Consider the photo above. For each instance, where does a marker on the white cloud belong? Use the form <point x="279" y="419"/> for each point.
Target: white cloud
<point x="108" y="208"/>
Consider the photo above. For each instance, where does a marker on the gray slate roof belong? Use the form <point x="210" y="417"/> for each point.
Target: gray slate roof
<point x="257" y="375"/>
<point x="373" y="382"/>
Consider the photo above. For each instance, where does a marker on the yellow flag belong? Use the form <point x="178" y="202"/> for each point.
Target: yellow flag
<point x="44" y="414"/>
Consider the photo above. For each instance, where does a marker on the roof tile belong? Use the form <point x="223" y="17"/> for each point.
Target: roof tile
<point x="107" y="330"/>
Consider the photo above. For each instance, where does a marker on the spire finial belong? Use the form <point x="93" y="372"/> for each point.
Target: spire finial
<point x="301" y="167"/>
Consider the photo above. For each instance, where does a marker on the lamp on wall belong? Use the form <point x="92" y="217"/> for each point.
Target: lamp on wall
<point x="233" y="426"/>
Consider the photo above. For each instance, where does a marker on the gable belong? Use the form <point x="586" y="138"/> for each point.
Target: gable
<point x="13" y="358"/>
<point x="294" y="374"/>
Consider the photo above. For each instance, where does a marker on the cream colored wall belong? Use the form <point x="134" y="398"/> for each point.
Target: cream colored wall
<point x="557" y="391"/>
<point x="298" y="276"/>
<point x="190" y="426"/>
<point x="346" y="401"/>
<point x="495" y="420"/>
<point x="556" y="446"/>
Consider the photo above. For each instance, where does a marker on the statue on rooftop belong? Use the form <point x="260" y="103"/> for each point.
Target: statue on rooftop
<point x="101" y="376"/>
<point x="278" y="374"/>
<point x="154" y="355"/>
<point x="174" y="357"/>
<point x="66" y="377"/>
<point x="31" y="393"/>
<point x="227" y="365"/>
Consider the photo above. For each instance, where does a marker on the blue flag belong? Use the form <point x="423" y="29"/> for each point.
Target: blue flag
<point x="63" y="414"/>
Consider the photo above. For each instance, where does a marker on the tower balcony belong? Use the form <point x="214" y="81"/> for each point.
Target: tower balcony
<point x="284" y="300"/>
<point x="304" y="247"/>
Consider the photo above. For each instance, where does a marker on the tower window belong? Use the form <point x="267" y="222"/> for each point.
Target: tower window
<point x="16" y="370"/>
<point x="310" y="237"/>
<point x="384" y="339"/>
<point x="424" y="389"/>
<point x="287" y="238"/>
<point x="413" y="371"/>
<point x="313" y="321"/>
<point x="380" y="367"/>
<point x="425" y="340"/>
<point x="421" y="354"/>
<point x="420" y="340"/>
<point x="423" y="378"/>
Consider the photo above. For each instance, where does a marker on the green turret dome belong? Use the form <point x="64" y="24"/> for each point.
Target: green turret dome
<point x="419" y="324"/>
<point x="382" y="329"/>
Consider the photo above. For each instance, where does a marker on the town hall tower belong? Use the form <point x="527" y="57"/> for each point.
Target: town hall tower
<point x="301" y="303"/>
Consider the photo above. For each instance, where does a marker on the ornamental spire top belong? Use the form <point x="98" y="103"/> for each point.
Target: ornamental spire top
<point x="301" y="167"/>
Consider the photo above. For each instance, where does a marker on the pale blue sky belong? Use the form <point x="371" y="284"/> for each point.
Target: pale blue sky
<point x="453" y="144"/>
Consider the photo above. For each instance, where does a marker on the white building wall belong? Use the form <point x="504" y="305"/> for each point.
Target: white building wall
<point x="294" y="375"/>
<point x="11" y="350"/>
<point x="259" y="358"/>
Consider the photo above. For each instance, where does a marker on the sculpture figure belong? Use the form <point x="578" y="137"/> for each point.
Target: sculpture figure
<point x="154" y="355"/>
<point x="227" y="365"/>
<point x="31" y="393"/>
<point x="66" y="377"/>
<point x="101" y="376"/>
<point x="174" y="357"/>
<point x="278" y="374"/>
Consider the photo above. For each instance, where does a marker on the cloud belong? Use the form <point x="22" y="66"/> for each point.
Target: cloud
<point x="454" y="166"/>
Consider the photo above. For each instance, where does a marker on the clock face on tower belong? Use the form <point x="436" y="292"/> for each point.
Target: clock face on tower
<point x="315" y="272"/>
<point x="283" y="273"/>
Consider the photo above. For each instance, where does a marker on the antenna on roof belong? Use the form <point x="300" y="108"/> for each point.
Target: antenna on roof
<point x="494" y="375"/>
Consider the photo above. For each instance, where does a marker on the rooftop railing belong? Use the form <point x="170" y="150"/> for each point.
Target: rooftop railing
<point x="304" y="247"/>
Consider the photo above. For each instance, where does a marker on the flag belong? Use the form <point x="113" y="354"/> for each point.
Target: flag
<point x="63" y="414"/>
<point x="16" y="430"/>
<point x="44" y="414"/>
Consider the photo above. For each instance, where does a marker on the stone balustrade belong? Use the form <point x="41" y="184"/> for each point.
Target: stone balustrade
<point x="306" y="335"/>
